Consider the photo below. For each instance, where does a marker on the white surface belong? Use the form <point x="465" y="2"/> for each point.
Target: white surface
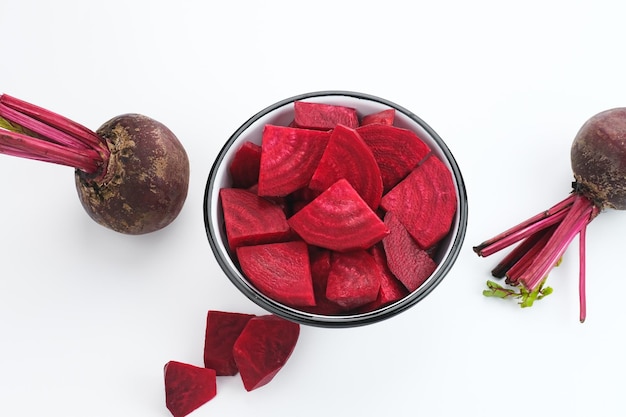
<point x="89" y="317"/>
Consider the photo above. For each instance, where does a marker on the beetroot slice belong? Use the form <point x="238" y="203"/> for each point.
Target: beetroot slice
<point x="320" y="268"/>
<point x="348" y="156"/>
<point x="353" y="280"/>
<point x="244" y="168"/>
<point x="406" y="260"/>
<point x="391" y="289"/>
<point x="250" y="219"/>
<point x="187" y="387"/>
<point x="338" y="219"/>
<point x="424" y="202"/>
<point x="288" y="159"/>
<point x="281" y="271"/>
<point x="263" y="348"/>
<point x="323" y="116"/>
<point x="385" y="117"/>
<point x="397" y="151"/>
<point x="222" y="330"/>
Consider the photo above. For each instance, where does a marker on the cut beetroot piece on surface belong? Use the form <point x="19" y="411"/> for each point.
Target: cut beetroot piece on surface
<point x="323" y="116"/>
<point x="244" y="168"/>
<point x="385" y="117"/>
<point x="250" y="219"/>
<point x="263" y="348"/>
<point x="397" y="151"/>
<point x="282" y="271"/>
<point x="289" y="158"/>
<point x="338" y="219"/>
<point x="353" y="280"/>
<point x="187" y="387"/>
<point x="222" y="330"/>
<point x="424" y="202"/>
<point x="348" y="156"/>
<point x="406" y="260"/>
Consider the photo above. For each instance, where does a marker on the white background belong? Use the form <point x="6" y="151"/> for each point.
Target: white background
<point x="89" y="317"/>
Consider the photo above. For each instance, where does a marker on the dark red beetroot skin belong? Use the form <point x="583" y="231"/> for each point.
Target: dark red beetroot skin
<point x="145" y="183"/>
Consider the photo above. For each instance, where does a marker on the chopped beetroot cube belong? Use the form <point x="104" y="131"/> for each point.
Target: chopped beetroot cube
<point x="391" y="289"/>
<point x="244" y="168"/>
<point x="250" y="219"/>
<point x="282" y="271"/>
<point x="338" y="219"/>
<point x="187" y="387"/>
<point x="289" y="158"/>
<point x="397" y="151"/>
<point x="347" y="156"/>
<point x="424" y="202"/>
<point x="320" y="268"/>
<point x="385" y="117"/>
<point x="406" y="260"/>
<point x="222" y="330"/>
<point x="323" y="116"/>
<point x="263" y="348"/>
<point x="353" y="280"/>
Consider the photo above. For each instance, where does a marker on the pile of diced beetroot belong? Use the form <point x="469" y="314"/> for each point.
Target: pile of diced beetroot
<point x="256" y="347"/>
<point x="337" y="213"/>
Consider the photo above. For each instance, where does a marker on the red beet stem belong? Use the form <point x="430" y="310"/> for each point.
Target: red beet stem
<point x="582" y="273"/>
<point x="578" y="216"/>
<point x="527" y="228"/>
<point x="39" y="134"/>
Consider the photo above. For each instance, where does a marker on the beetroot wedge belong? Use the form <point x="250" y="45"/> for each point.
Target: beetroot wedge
<point x="338" y="219"/>
<point x="385" y="117"/>
<point x="406" y="260"/>
<point x="397" y="151"/>
<point x="250" y="219"/>
<point x="391" y="289"/>
<point x="244" y="168"/>
<point x="320" y="268"/>
<point x="222" y="330"/>
<point x="424" y="202"/>
<point x="348" y="156"/>
<point x="323" y="116"/>
<point x="282" y="271"/>
<point x="187" y="387"/>
<point x="289" y="158"/>
<point x="353" y="280"/>
<point x="263" y="348"/>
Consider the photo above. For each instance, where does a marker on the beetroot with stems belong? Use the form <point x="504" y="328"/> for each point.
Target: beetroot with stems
<point x="598" y="157"/>
<point x="132" y="174"/>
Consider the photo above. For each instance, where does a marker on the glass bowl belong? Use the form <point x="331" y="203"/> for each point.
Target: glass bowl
<point x="281" y="113"/>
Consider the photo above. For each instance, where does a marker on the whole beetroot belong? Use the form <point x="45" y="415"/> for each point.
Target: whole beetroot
<point x="132" y="174"/>
<point x="598" y="157"/>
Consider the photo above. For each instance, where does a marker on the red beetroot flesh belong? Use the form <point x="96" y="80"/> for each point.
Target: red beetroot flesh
<point x="321" y="116"/>
<point x="353" y="280"/>
<point x="397" y="151"/>
<point x="391" y="289"/>
<point x="424" y="202"/>
<point x="222" y="330"/>
<point x="289" y="158"/>
<point x="187" y="387"/>
<point x="385" y="117"/>
<point x="348" y="157"/>
<point x="263" y="348"/>
<point x="282" y="271"/>
<point x="244" y="168"/>
<point x="406" y="260"/>
<point x="320" y="268"/>
<point x="250" y="219"/>
<point x="338" y="219"/>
